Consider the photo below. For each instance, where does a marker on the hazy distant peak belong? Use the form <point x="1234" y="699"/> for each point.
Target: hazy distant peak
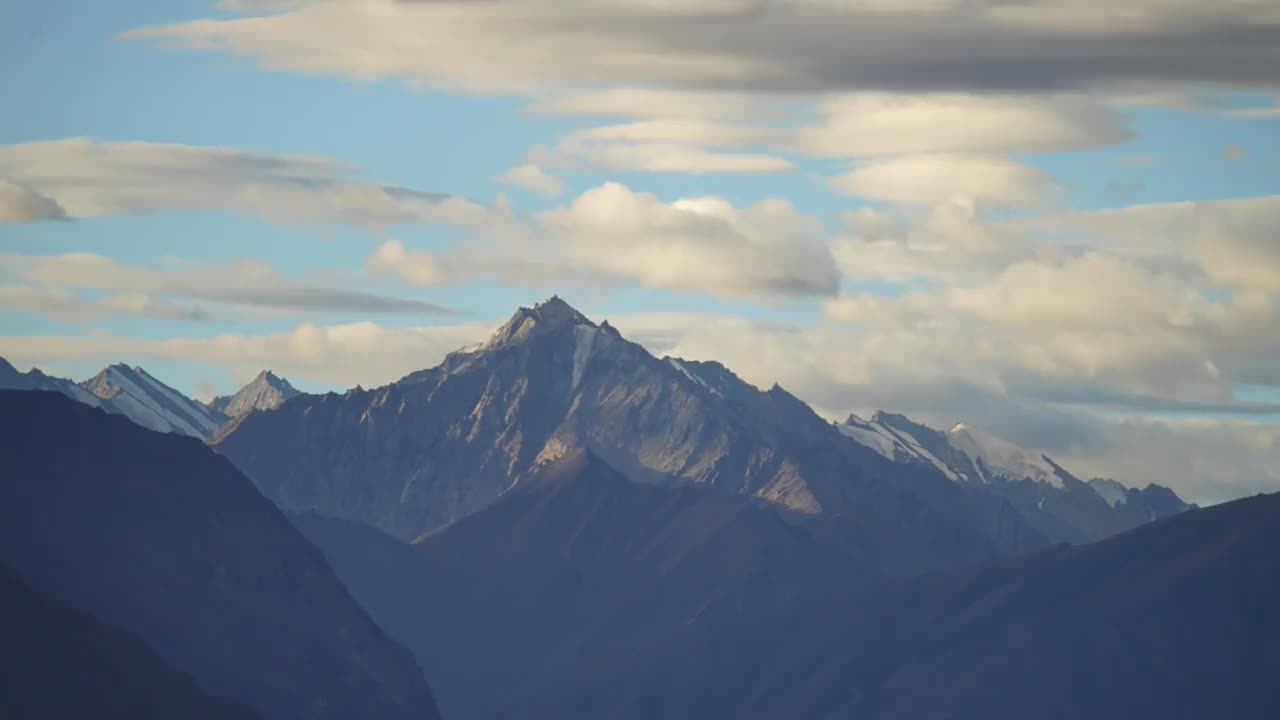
<point x="267" y="391"/>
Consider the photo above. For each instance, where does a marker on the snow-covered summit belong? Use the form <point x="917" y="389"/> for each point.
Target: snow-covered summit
<point x="1052" y="501"/>
<point x="995" y="457"/>
<point x="964" y="453"/>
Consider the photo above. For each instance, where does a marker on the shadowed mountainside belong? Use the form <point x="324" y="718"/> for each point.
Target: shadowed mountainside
<point x="62" y="663"/>
<point x="162" y="538"/>
<point x="1172" y="620"/>
<point x="575" y="566"/>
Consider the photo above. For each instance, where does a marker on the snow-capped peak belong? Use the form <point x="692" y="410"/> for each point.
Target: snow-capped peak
<point x="995" y="457"/>
<point x="138" y="395"/>
<point x="891" y="437"/>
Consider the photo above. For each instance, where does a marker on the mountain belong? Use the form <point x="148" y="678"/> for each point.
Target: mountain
<point x="577" y="564"/>
<point x="1053" y="501"/>
<point x="443" y="443"/>
<point x="59" y="662"/>
<point x="1173" y="620"/>
<point x="134" y="393"/>
<point x="34" y="379"/>
<point x="164" y="539"/>
<point x="139" y="396"/>
<point x="266" y="392"/>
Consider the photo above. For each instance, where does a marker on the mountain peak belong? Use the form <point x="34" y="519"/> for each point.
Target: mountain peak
<point x="549" y="315"/>
<point x="556" y="310"/>
<point x="267" y="391"/>
<point x="270" y="379"/>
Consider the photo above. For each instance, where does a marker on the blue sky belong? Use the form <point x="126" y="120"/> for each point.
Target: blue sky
<point x="913" y="241"/>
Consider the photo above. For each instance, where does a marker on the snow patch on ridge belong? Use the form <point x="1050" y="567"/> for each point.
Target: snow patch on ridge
<point x="135" y="398"/>
<point x="585" y="337"/>
<point x="995" y="457"/>
<point x="921" y="452"/>
<point x="1111" y="491"/>
<point x="206" y="425"/>
<point x="872" y="437"/>
<point x="888" y="441"/>
<point x="685" y="371"/>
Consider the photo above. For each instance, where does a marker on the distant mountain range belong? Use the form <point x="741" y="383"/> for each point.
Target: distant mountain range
<point x="139" y="396"/>
<point x="443" y="443"/>
<point x="1054" y="502"/>
<point x="557" y="524"/>
<point x="162" y="539"/>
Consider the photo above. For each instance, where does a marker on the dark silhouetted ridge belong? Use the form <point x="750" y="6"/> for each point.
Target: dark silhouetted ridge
<point x="164" y="539"/>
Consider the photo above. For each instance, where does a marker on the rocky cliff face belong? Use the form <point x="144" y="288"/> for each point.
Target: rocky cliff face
<point x="164" y="539"/>
<point x="267" y="391"/>
<point x="443" y="443"/>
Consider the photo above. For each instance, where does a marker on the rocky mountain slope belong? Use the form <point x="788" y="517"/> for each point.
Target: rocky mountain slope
<point x="267" y="391"/>
<point x="136" y="394"/>
<point x="34" y="379"/>
<point x="1054" y="502"/>
<point x="139" y="396"/>
<point x="443" y="443"/>
<point x="162" y="538"/>
<point x="576" y="565"/>
<point x="59" y="662"/>
<point x="1173" y="620"/>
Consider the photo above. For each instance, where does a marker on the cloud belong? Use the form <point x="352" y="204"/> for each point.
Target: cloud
<point x="1230" y="243"/>
<point x="736" y="133"/>
<point x="334" y="355"/>
<point x="796" y="46"/>
<point x="19" y="203"/>
<point x="72" y="306"/>
<point x="932" y="179"/>
<point x="633" y="102"/>
<point x="949" y="242"/>
<point x="612" y="236"/>
<point x="79" y="178"/>
<point x="1255" y="112"/>
<point x="531" y="177"/>
<point x="246" y="284"/>
<point x="583" y="152"/>
<point x="875" y="124"/>
<point x="1093" y="327"/>
<point x="415" y="267"/>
